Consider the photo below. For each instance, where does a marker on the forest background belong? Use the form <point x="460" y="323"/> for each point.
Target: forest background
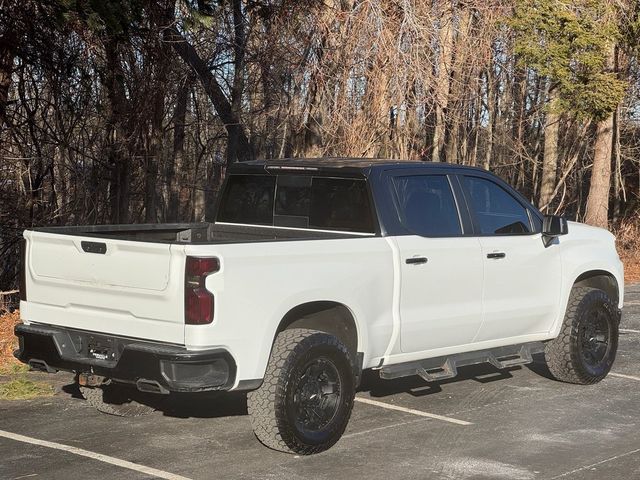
<point x="129" y="111"/>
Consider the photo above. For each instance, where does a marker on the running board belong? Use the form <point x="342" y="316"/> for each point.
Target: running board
<point x="440" y="368"/>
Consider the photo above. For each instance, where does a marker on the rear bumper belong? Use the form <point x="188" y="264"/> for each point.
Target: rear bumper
<point x="170" y="368"/>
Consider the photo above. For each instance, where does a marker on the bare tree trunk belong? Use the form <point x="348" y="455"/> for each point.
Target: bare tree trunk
<point x="152" y="160"/>
<point x="517" y="127"/>
<point x="220" y="102"/>
<point x="213" y="177"/>
<point x="550" y="158"/>
<point x="159" y="67"/>
<point x="118" y="161"/>
<point x="7" y="53"/>
<point x="199" y="201"/>
<point x="234" y="147"/>
<point x="458" y="81"/>
<point x="442" y="86"/>
<point x="174" y="166"/>
<point x="476" y="119"/>
<point x="491" y="113"/>
<point x="597" y="210"/>
<point x="618" y="180"/>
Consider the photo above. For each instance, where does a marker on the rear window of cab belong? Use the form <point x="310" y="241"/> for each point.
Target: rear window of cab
<point x="298" y="201"/>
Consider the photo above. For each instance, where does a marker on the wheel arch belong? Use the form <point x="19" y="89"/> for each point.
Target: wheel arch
<point x="594" y="276"/>
<point x="601" y="279"/>
<point x="327" y="316"/>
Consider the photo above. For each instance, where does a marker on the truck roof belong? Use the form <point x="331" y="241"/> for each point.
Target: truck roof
<point x="342" y="165"/>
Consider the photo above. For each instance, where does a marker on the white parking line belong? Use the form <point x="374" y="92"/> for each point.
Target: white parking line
<point x="420" y="413"/>
<point x="95" y="456"/>
<point x="589" y="467"/>
<point x="621" y="375"/>
<point x="384" y="427"/>
<point x="628" y="330"/>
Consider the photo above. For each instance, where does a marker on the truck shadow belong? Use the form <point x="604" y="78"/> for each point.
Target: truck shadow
<point x="417" y="387"/>
<point x="185" y="405"/>
<point x="205" y="405"/>
<point x="229" y="404"/>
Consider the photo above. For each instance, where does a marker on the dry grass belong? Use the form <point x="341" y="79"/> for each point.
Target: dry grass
<point x="8" y="341"/>
<point x="12" y="369"/>
<point x="631" y="268"/>
<point x="628" y="245"/>
<point x="14" y="381"/>
<point x="22" y="388"/>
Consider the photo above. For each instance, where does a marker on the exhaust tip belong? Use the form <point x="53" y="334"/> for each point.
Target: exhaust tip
<point x="150" y="386"/>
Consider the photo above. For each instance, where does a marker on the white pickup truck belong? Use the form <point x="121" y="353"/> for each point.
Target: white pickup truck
<point x="313" y="271"/>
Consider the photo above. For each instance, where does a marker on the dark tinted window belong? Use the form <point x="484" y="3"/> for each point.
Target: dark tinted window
<point x="248" y="199"/>
<point x="497" y="211"/>
<point x="293" y="196"/>
<point x="300" y="201"/>
<point x="427" y="206"/>
<point x="340" y="204"/>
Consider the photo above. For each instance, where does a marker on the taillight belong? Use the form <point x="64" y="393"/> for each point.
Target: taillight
<point x="22" y="286"/>
<point x="198" y="301"/>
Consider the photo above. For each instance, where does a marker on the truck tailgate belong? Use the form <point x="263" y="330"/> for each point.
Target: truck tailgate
<point x="105" y="285"/>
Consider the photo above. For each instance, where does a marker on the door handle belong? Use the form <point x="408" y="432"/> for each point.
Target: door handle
<point x="416" y="260"/>
<point x="496" y="255"/>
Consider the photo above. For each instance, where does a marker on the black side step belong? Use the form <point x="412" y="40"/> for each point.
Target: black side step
<point x="440" y="368"/>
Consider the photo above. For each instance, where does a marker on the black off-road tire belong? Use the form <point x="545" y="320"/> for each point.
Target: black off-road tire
<point x="565" y="355"/>
<point x="275" y="408"/>
<point x="116" y="399"/>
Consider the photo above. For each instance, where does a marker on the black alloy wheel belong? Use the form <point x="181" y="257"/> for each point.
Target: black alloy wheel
<point x="594" y="335"/>
<point x="316" y="395"/>
<point x="585" y="349"/>
<point x="305" y="401"/>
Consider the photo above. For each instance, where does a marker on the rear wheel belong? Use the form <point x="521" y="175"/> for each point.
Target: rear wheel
<point x="305" y="401"/>
<point x="586" y="347"/>
<point x="116" y="399"/>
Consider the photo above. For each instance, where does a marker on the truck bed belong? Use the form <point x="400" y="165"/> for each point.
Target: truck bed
<point x="129" y="280"/>
<point x="194" y="233"/>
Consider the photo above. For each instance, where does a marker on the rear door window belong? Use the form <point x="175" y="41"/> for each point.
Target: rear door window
<point x="497" y="211"/>
<point x="340" y="204"/>
<point x="427" y="205"/>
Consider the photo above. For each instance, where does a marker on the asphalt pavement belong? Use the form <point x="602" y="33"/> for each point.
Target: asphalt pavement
<point x="484" y="424"/>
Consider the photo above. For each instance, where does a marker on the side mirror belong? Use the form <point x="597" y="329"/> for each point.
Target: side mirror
<point x="554" y="226"/>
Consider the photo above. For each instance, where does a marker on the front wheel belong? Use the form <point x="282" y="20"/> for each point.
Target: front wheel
<point x="305" y="400"/>
<point x="586" y="347"/>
